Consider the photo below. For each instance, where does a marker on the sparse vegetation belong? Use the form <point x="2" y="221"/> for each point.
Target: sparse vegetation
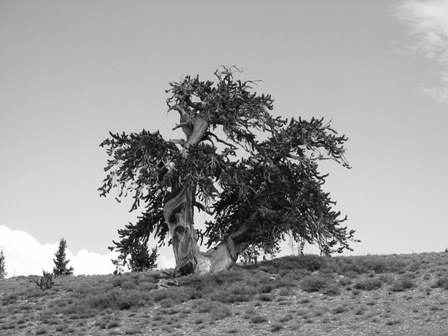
<point x="313" y="295"/>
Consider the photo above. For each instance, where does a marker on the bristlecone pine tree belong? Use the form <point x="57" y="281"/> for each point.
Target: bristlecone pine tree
<point x="255" y="173"/>
<point x="3" y="273"/>
<point x="60" y="263"/>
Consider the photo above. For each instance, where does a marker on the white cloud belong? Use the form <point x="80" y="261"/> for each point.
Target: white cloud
<point x="428" y="22"/>
<point x="24" y="255"/>
<point x="166" y="258"/>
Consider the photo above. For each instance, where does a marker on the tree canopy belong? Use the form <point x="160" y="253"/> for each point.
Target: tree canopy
<point x="256" y="174"/>
<point x="3" y="273"/>
<point x="60" y="262"/>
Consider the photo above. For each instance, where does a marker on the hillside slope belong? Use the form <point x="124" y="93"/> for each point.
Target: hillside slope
<point x="310" y="295"/>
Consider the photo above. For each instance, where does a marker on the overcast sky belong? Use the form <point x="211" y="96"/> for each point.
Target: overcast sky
<point x="71" y="71"/>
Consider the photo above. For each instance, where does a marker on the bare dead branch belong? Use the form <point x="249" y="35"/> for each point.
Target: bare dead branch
<point x="177" y="108"/>
<point x="221" y="141"/>
<point x="202" y="207"/>
<point x="181" y="125"/>
<point x="178" y="141"/>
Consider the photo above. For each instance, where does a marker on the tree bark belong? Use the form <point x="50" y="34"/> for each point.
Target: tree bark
<point x="178" y="213"/>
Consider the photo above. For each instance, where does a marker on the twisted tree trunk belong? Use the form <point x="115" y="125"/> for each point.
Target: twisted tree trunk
<point x="178" y="213"/>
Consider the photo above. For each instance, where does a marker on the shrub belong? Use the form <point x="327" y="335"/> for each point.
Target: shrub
<point x="360" y="311"/>
<point x="107" y="287"/>
<point x="285" y="318"/>
<point x="216" y="309"/>
<point x="331" y="289"/>
<point x="237" y="292"/>
<point x="220" y="311"/>
<point x="386" y="278"/>
<point x="345" y="281"/>
<point x="265" y="288"/>
<point x="368" y="284"/>
<point x="207" y="284"/>
<point x="404" y="283"/>
<point x="276" y="327"/>
<point x="116" y="300"/>
<point x="258" y="319"/>
<point x="393" y="322"/>
<point x="442" y="282"/>
<point x="147" y="286"/>
<point x="45" y="282"/>
<point x="128" y="285"/>
<point x="339" y="310"/>
<point x="314" y="283"/>
<point x="287" y="281"/>
<point x="117" y="281"/>
<point x="178" y="294"/>
<point x="285" y="291"/>
<point x="312" y="262"/>
<point x="365" y="264"/>
<point x="266" y="297"/>
<point x="167" y="303"/>
<point x="41" y="331"/>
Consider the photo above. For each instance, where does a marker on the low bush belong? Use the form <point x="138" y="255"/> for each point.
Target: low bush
<point x="368" y="284"/>
<point x="178" y="294"/>
<point x="116" y="300"/>
<point x="147" y="286"/>
<point x="331" y="289"/>
<point x="46" y="281"/>
<point x="286" y="291"/>
<point x="266" y="297"/>
<point x="339" y="310"/>
<point x="276" y="327"/>
<point x="402" y="284"/>
<point x="129" y="285"/>
<point x="237" y="292"/>
<point x="265" y="288"/>
<point x="167" y="303"/>
<point x="258" y="319"/>
<point x="365" y="264"/>
<point x="442" y="282"/>
<point x="217" y="310"/>
<point x="314" y="283"/>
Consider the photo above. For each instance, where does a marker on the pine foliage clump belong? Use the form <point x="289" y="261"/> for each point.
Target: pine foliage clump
<point x="141" y="260"/>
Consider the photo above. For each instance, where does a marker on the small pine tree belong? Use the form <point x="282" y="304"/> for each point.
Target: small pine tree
<point x="141" y="260"/>
<point x="3" y="273"/>
<point x="60" y="263"/>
